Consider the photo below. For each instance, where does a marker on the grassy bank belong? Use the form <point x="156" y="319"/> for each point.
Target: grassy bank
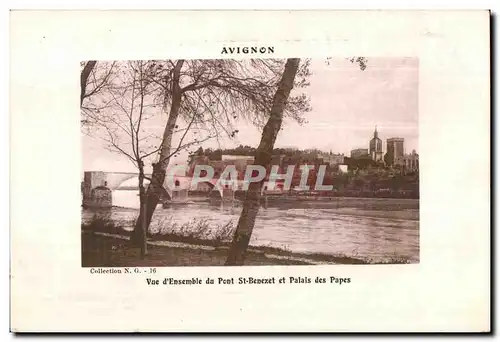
<point x="101" y="251"/>
<point x="198" y="233"/>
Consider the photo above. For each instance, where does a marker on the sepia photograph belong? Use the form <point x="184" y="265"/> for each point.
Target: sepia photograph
<point x="256" y="161"/>
<point x="318" y="164"/>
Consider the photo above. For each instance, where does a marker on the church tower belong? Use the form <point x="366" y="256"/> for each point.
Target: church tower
<point x="376" y="147"/>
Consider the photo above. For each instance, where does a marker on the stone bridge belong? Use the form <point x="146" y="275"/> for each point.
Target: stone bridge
<point x="97" y="187"/>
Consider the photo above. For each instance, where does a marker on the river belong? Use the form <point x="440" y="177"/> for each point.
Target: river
<point x="377" y="229"/>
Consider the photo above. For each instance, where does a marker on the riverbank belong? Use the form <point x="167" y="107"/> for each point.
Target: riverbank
<point x="105" y="244"/>
<point x="390" y="208"/>
<point x="113" y="251"/>
<point x="369" y="203"/>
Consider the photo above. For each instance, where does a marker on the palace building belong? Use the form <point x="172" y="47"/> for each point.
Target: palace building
<point x="411" y="161"/>
<point x="395" y="151"/>
<point x="359" y="152"/>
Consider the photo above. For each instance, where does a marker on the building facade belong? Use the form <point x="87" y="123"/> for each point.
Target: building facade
<point x="332" y="159"/>
<point x="411" y="161"/>
<point x="248" y="159"/>
<point x="395" y="151"/>
<point x="359" y="152"/>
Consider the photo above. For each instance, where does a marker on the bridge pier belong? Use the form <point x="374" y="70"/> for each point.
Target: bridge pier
<point x="97" y="187"/>
<point x="179" y="195"/>
<point x="228" y="195"/>
<point x="95" y="191"/>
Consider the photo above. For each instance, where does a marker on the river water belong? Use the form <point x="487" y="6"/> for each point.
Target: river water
<point x="378" y="229"/>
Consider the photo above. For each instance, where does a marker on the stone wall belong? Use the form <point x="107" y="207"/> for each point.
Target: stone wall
<point x="91" y="181"/>
<point x="100" y="197"/>
<point x="180" y="195"/>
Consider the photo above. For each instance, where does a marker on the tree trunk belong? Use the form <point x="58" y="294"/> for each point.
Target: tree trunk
<point x="142" y="234"/>
<point x="155" y="188"/>
<point x="84" y="77"/>
<point x="243" y="233"/>
<point x="142" y="231"/>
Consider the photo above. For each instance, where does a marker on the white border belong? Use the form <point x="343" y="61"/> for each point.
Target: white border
<point x="477" y="4"/>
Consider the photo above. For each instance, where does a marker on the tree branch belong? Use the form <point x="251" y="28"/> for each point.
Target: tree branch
<point x="84" y="76"/>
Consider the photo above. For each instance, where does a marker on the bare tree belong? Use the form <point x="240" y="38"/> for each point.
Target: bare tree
<point x="209" y="95"/>
<point x="84" y="78"/>
<point x="241" y="239"/>
<point x="216" y="93"/>
<point x="96" y="80"/>
<point x="124" y="127"/>
<point x="263" y="155"/>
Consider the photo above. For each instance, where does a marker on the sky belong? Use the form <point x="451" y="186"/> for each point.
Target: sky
<point x="347" y="103"/>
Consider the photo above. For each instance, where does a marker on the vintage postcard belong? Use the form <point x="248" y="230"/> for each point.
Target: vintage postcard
<point x="270" y="175"/>
<point x="338" y="195"/>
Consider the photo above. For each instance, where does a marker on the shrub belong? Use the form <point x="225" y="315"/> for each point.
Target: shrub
<point x="103" y="223"/>
<point x="198" y="231"/>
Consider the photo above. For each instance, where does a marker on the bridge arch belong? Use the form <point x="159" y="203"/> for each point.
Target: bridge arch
<point x="115" y="180"/>
<point x="203" y="186"/>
